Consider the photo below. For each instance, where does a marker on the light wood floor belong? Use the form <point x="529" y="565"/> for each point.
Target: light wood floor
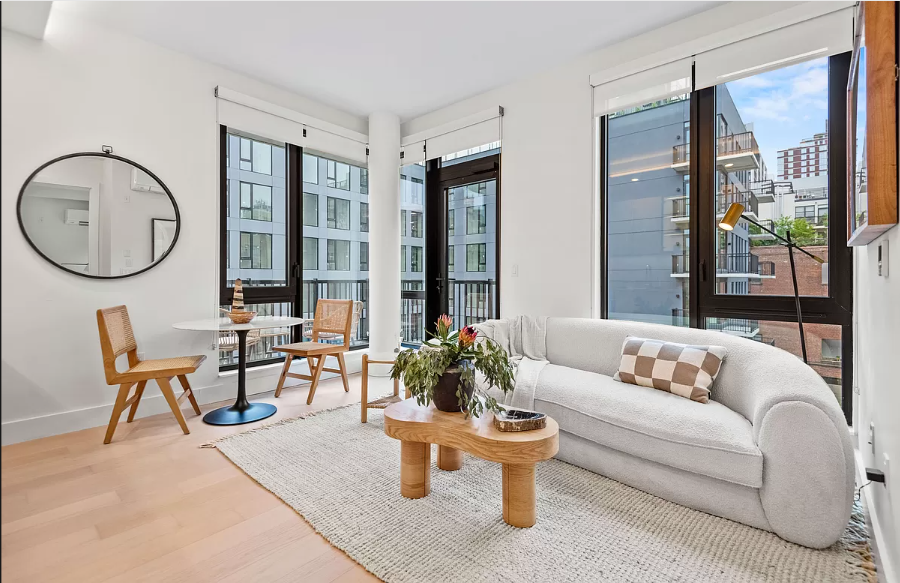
<point x="153" y="506"/>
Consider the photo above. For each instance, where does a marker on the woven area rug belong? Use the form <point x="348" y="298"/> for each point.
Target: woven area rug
<point x="344" y="478"/>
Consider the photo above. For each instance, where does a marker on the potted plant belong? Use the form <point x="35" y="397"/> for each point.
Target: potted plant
<point x="443" y="370"/>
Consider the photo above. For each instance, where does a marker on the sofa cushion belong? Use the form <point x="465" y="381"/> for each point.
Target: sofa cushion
<point x="707" y="439"/>
<point x="686" y="370"/>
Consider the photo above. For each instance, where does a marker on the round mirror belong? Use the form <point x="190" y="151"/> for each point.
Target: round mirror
<point x="98" y="215"/>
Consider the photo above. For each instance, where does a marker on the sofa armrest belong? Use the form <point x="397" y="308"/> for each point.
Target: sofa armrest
<point x="808" y="465"/>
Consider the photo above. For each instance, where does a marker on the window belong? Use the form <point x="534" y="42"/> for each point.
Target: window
<point x="256" y="251"/>
<point x="476" y="257"/>
<point x="256" y="202"/>
<point x="363" y="217"/>
<point x="338" y="255"/>
<point x="478" y="189"/>
<point x="253" y="202"/>
<point x="648" y="212"/>
<point x="403" y="258"/>
<point x="451" y="222"/>
<point x="256" y="156"/>
<point x="363" y="181"/>
<point x="310" y="169"/>
<point x="451" y="259"/>
<point x="476" y="220"/>
<point x="310" y="253"/>
<point x="338" y="213"/>
<point x="338" y="175"/>
<point x="310" y="210"/>
<point x="363" y="256"/>
<point x="759" y="136"/>
<point x="416" y="230"/>
<point x="402" y="222"/>
<point x="416" y="261"/>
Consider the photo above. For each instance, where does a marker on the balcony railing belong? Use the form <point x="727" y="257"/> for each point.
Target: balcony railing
<point x="727" y="263"/>
<point x="680" y="264"/>
<point x="767" y="223"/>
<point x="725" y="146"/>
<point x="733" y="325"/>
<point x="471" y="302"/>
<point x="737" y="144"/>
<point x="681" y="207"/>
<point x="763" y="188"/>
<point x="811" y="193"/>
<point x="731" y="195"/>
<point x="764" y="339"/>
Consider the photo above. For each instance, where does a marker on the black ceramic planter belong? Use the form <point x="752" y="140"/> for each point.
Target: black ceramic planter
<point x="445" y="398"/>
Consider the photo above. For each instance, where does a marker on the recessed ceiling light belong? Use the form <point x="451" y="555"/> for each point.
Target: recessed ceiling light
<point x="634" y="179"/>
<point x="729" y="165"/>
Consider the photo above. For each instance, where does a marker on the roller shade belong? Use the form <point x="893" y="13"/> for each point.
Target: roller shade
<point x="812" y="39"/>
<point x="463" y="139"/>
<point x="643" y="87"/>
<point x="469" y="132"/>
<point x="266" y="120"/>
<point x="413" y="153"/>
<point x="260" y="124"/>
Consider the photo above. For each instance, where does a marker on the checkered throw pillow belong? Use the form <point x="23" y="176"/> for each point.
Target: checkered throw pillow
<point x="682" y="369"/>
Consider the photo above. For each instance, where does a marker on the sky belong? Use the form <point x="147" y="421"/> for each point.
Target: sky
<point x="785" y="106"/>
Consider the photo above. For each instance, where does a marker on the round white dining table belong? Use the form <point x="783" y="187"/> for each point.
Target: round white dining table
<point x="242" y="411"/>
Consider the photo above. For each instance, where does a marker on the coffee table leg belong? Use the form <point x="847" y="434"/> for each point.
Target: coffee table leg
<point x="415" y="469"/>
<point x="449" y="458"/>
<point x="518" y="495"/>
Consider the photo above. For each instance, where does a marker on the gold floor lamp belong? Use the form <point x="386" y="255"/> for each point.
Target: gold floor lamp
<point x="733" y="215"/>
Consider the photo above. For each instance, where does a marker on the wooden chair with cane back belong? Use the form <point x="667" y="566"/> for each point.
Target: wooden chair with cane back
<point x="333" y="317"/>
<point x="116" y="339"/>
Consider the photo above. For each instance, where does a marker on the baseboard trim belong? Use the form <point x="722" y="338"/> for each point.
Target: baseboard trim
<point x="886" y="573"/>
<point x="259" y="380"/>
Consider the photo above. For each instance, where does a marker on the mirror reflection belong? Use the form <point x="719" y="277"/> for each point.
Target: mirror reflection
<point x="98" y="215"/>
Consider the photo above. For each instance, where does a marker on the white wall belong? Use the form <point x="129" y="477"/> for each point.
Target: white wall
<point x="159" y="110"/>
<point x="547" y="194"/>
<point x="547" y="158"/>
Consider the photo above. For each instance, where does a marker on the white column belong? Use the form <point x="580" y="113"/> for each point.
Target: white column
<point x="384" y="234"/>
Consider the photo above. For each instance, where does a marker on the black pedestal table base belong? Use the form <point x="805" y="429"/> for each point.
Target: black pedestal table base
<point x="242" y="411"/>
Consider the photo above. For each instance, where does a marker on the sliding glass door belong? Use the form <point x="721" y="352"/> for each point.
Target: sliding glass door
<point x="669" y="170"/>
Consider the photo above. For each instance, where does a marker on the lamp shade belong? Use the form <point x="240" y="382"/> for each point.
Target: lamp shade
<point x="732" y="216"/>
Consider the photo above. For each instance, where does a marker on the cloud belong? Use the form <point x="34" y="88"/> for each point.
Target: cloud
<point x="784" y="95"/>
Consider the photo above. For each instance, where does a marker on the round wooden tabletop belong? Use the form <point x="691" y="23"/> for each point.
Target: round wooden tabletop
<point x="408" y="421"/>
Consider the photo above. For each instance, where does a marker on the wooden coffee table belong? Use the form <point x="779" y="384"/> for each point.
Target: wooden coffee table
<point x="418" y="427"/>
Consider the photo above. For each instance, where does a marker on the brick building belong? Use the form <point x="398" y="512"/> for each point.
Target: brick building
<point x="806" y="160"/>
<point x="823" y="341"/>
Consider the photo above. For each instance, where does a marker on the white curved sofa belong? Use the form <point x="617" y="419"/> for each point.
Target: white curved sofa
<point x="771" y="449"/>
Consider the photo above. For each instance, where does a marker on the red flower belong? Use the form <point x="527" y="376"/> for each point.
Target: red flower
<point x="467" y="336"/>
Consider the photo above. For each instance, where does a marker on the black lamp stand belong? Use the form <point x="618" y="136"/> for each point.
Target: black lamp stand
<point x="789" y="243"/>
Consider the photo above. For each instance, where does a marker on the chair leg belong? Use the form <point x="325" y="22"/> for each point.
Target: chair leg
<point x="187" y="389"/>
<point x="364" y="391"/>
<point x="343" y="367"/>
<point x="139" y="392"/>
<point x="284" y="371"/>
<point x="118" y="407"/>
<point x="320" y="364"/>
<point x="169" y="394"/>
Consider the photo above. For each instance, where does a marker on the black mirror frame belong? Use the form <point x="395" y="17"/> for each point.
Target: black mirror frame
<point x="98" y="155"/>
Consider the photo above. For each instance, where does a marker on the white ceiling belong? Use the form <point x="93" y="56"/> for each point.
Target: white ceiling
<point x="406" y="57"/>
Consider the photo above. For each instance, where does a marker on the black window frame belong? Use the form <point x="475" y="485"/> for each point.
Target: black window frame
<point x="480" y="252"/>
<point x="416" y="224"/>
<point x="364" y="256"/>
<point x="704" y="302"/>
<point x="252" y="206"/>
<point x="480" y="219"/>
<point x="331" y="212"/>
<point x="331" y="250"/>
<point x="331" y="180"/>
<point x="363" y="224"/>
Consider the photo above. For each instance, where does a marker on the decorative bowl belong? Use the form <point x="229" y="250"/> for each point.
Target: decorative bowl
<point x="241" y="317"/>
<point x="519" y="420"/>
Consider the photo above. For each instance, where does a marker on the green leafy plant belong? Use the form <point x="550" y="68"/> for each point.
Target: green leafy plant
<point x="460" y="351"/>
